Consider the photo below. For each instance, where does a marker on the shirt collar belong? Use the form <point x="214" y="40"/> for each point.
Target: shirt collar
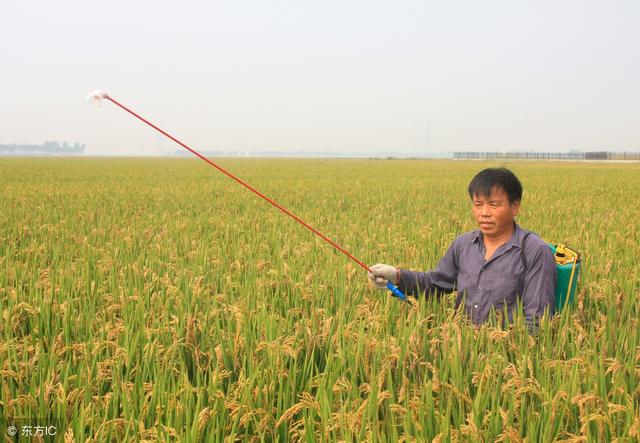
<point x="515" y="239"/>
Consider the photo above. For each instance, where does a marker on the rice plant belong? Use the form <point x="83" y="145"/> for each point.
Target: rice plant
<point x="154" y="299"/>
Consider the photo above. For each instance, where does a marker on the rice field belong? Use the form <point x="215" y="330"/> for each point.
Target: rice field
<point x="155" y="299"/>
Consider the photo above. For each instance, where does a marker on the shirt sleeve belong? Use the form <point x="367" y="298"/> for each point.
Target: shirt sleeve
<point x="539" y="291"/>
<point x="442" y="280"/>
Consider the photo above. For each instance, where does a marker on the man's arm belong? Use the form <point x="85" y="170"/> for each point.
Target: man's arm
<point x="539" y="291"/>
<point x="442" y="280"/>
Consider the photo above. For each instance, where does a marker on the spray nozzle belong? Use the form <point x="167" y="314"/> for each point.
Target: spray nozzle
<point x="96" y="97"/>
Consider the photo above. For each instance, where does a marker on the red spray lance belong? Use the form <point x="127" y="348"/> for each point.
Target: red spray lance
<point x="97" y="97"/>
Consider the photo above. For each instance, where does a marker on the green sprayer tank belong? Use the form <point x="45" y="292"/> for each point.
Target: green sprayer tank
<point x="568" y="268"/>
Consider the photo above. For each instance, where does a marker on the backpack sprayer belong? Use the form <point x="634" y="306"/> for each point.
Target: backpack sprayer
<point x="568" y="269"/>
<point x="97" y="97"/>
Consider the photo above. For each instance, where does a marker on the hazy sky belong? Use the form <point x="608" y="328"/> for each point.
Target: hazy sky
<point x="351" y="76"/>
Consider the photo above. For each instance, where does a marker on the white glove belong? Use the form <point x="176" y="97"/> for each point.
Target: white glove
<point x="381" y="274"/>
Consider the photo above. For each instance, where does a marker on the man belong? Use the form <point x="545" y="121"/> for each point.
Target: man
<point x="492" y="265"/>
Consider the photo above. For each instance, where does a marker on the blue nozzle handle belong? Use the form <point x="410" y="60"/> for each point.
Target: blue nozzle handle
<point x="397" y="292"/>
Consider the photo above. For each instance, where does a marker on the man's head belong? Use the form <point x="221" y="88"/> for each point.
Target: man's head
<point x="495" y="194"/>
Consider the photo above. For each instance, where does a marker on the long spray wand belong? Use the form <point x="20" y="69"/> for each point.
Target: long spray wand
<point x="98" y="96"/>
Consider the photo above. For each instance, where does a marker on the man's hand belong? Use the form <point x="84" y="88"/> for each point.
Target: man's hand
<point x="381" y="274"/>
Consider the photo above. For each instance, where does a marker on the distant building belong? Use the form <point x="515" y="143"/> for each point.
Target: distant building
<point x="48" y="148"/>
<point x="573" y="155"/>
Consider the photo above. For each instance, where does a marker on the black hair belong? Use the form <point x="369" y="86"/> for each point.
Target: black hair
<point x="487" y="179"/>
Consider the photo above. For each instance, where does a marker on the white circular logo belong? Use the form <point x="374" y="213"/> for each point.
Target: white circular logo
<point x="12" y="430"/>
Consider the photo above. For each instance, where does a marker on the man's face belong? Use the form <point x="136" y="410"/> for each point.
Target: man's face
<point x="494" y="214"/>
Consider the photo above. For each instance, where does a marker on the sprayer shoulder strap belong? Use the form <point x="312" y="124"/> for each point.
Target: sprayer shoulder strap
<point x="522" y="251"/>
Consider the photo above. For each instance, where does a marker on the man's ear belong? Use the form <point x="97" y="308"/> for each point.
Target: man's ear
<point x="515" y="207"/>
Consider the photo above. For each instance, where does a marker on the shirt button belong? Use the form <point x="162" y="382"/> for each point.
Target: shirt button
<point x="480" y="287"/>
<point x="475" y="306"/>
